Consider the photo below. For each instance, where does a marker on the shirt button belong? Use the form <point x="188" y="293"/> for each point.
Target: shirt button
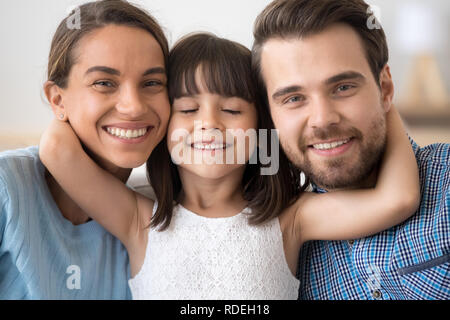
<point x="376" y="294"/>
<point x="351" y="242"/>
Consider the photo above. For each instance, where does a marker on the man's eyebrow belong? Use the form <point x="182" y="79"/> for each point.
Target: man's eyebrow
<point x="348" y="75"/>
<point x="103" y="69"/>
<point x="286" y="90"/>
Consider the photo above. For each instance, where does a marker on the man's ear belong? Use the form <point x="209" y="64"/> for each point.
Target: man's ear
<point x="387" y="88"/>
<point x="54" y="96"/>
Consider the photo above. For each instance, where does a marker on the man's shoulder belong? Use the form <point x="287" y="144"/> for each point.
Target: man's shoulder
<point x="435" y="153"/>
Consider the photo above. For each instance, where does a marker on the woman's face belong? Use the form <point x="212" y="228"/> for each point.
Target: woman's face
<point x="116" y="98"/>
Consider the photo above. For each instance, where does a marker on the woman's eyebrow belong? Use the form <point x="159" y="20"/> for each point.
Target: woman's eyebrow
<point x="103" y="69"/>
<point x="156" y="70"/>
<point x="115" y="72"/>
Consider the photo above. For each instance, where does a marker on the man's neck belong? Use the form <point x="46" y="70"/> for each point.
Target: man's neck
<point x="369" y="182"/>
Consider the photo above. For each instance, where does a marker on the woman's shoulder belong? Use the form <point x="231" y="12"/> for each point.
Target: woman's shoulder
<point x="20" y="166"/>
<point x="25" y="155"/>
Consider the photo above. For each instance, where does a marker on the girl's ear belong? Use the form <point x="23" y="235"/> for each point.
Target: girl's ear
<point x="54" y="97"/>
<point x="387" y="88"/>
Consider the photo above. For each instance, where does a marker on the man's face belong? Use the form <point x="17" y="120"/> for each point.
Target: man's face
<point x="327" y="106"/>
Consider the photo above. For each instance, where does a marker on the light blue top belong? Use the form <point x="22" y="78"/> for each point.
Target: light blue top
<point x="43" y="255"/>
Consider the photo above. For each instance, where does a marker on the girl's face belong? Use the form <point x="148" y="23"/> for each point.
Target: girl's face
<point x="116" y="98"/>
<point x="210" y="135"/>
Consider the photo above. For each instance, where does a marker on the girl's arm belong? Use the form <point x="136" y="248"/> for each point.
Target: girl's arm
<point x="353" y="214"/>
<point x="98" y="193"/>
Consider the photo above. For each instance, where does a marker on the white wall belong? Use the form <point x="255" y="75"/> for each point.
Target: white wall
<point x="27" y="26"/>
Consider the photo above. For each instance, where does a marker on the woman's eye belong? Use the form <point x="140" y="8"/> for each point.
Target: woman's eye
<point x="153" y="83"/>
<point x="107" y="84"/>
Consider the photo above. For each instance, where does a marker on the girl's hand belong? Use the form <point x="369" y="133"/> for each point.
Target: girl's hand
<point x="58" y="137"/>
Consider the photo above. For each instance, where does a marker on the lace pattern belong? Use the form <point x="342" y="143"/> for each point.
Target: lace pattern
<point x="215" y="258"/>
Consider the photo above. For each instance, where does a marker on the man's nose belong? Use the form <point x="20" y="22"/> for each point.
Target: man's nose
<point x="323" y="113"/>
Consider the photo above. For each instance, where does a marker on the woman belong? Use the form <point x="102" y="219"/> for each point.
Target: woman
<point x="108" y="79"/>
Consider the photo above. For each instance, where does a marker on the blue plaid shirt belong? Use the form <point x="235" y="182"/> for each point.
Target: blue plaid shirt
<point x="408" y="261"/>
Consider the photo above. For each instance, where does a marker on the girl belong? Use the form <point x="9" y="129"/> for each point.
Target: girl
<point x="218" y="229"/>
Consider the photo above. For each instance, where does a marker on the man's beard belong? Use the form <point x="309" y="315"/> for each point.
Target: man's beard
<point x="337" y="173"/>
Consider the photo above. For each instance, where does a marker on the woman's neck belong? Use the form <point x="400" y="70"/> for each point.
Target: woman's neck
<point x="69" y="209"/>
<point x="214" y="198"/>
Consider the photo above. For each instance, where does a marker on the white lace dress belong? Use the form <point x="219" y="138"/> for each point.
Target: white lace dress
<point x="200" y="258"/>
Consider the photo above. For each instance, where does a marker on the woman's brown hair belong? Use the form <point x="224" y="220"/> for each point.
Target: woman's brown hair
<point x="94" y="15"/>
<point x="226" y="70"/>
<point x="302" y="18"/>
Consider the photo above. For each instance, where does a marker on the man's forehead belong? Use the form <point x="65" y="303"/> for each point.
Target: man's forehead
<point x="320" y="56"/>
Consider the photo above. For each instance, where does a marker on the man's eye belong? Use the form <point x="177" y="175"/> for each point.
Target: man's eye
<point x="344" y="87"/>
<point x="294" y="99"/>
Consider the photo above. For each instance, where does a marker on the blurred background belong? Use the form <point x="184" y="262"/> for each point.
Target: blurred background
<point x="417" y="32"/>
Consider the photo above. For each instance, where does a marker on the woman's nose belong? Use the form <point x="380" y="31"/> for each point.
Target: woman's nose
<point x="131" y="103"/>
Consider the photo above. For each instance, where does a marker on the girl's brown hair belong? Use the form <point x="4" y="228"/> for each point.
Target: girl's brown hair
<point x="94" y="15"/>
<point x="226" y="70"/>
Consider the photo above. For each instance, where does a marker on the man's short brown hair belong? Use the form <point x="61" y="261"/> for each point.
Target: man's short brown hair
<point x="288" y="19"/>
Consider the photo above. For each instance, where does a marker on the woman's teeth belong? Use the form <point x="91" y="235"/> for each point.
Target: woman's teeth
<point x="127" y="134"/>
<point x="328" y="146"/>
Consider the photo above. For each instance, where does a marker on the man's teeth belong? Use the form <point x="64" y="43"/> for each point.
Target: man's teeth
<point x="127" y="134"/>
<point x="327" y="146"/>
<point x="209" y="146"/>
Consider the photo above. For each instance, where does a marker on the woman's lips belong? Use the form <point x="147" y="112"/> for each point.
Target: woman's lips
<point x="129" y="134"/>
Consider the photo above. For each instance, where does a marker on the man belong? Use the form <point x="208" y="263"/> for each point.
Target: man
<point x="328" y="85"/>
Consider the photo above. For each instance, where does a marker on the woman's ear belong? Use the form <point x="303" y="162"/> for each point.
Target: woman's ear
<point x="387" y="88"/>
<point x="54" y="96"/>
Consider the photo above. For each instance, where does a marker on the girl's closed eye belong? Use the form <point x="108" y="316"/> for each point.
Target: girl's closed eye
<point x="188" y="111"/>
<point x="231" y="111"/>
